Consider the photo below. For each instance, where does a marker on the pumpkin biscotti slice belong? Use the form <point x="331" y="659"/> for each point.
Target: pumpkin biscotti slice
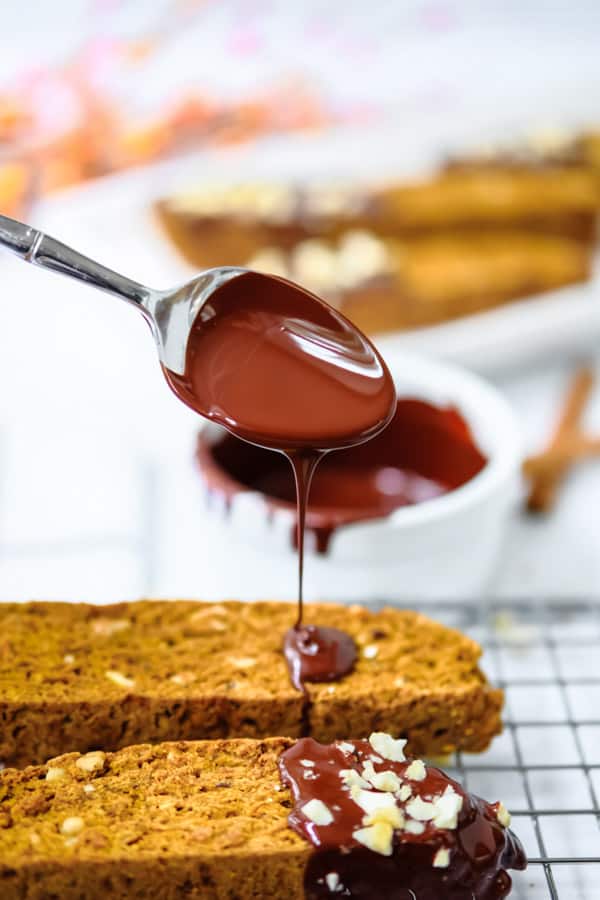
<point x="173" y="820"/>
<point x="242" y="819"/>
<point x="80" y="677"/>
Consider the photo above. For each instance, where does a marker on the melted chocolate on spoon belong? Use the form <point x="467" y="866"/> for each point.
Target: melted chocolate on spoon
<point x="456" y="860"/>
<point x="280" y="368"/>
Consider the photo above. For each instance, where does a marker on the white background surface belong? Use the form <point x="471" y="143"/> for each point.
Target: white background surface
<point x="98" y="496"/>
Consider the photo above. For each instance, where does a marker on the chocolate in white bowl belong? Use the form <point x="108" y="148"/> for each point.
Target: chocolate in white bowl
<point x="419" y="511"/>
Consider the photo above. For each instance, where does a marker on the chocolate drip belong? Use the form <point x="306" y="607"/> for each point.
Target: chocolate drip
<point x="474" y="854"/>
<point x="316" y="653"/>
<point x="303" y="465"/>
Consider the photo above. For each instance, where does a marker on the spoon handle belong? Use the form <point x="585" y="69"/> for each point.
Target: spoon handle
<point x="42" y="250"/>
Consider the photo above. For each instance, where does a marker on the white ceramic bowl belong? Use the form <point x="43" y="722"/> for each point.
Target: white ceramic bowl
<point x="445" y="547"/>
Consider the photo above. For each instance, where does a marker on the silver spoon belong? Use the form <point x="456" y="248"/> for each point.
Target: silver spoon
<point x="170" y="313"/>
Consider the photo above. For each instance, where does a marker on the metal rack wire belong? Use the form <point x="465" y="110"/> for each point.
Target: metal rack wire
<point x="546" y="765"/>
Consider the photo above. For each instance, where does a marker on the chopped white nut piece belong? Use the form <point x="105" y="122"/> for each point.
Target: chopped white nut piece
<point x="107" y="627"/>
<point x="385" y="781"/>
<point x="370" y="651"/>
<point x="447" y="808"/>
<point x="549" y="140"/>
<point x="441" y="860"/>
<point x="270" y="261"/>
<point x="317" y="812"/>
<point x="346" y="747"/>
<point x="399" y="682"/>
<point x="242" y="662"/>
<point x="183" y="678"/>
<point x="368" y="771"/>
<point x="387" y="746"/>
<point x="89" y="788"/>
<point x="307" y="762"/>
<point x="314" y="264"/>
<point x="34" y="839"/>
<point x="90" y="762"/>
<point x="420" y="809"/>
<point x="272" y="202"/>
<point x="361" y="256"/>
<point x="404" y="793"/>
<point x="119" y="679"/>
<point x="55" y="773"/>
<point x="370" y="801"/>
<point x="414" y="827"/>
<point x="70" y="841"/>
<point x="68" y="659"/>
<point x="208" y="609"/>
<point x="332" y="880"/>
<point x="277" y="787"/>
<point x="416" y="771"/>
<point x="331" y="689"/>
<point x="351" y="778"/>
<point x="503" y="815"/>
<point x="391" y="815"/>
<point x="331" y="199"/>
<point x="72" y="825"/>
<point x="376" y="837"/>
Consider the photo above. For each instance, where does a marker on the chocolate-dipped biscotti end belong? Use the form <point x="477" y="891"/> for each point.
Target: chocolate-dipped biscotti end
<point x="247" y="818"/>
<point x="80" y="677"/>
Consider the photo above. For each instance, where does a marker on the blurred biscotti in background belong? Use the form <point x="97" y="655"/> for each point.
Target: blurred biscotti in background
<point x="484" y="230"/>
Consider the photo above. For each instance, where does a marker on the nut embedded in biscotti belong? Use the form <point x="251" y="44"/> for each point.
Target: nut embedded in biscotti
<point x="183" y="678"/>
<point x="107" y="627"/>
<point x="120" y="679"/>
<point x="72" y="826"/>
<point x="242" y="662"/>
<point x="55" y="773"/>
<point x="91" y="762"/>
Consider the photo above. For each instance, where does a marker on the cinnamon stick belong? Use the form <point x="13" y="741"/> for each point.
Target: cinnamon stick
<point x="545" y="486"/>
<point x="573" y="448"/>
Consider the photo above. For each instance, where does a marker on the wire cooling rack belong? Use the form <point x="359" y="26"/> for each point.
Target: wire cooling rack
<point x="545" y="767"/>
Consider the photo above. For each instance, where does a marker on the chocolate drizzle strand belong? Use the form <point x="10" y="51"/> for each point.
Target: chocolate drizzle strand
<point x="384" y="826"/>
<point x="280" y="368"/>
